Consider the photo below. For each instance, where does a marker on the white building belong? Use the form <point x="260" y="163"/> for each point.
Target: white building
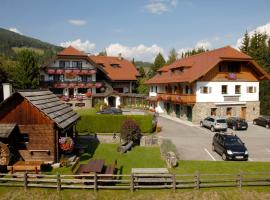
<point x="222" y="82"/>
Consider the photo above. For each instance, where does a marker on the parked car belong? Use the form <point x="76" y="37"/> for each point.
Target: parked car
<point x="262" y="121"/>
<point x="214" y="124"/>
<point x="237" y="123"/>
<point x="229" y="146"/>
<point x="112" y="111"/>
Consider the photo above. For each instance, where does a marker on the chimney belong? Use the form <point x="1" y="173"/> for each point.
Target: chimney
<point x="120" y="56"/>
<point x="7" y="90"/>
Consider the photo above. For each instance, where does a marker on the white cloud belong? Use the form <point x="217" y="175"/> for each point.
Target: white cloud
<point x="140" y="52"/>
<point x="260" y="29"/>
<point x="174" y="3"/>
<point x="203" y="44"/>
<point x="160" y="6"/>
<point x="77" y="22"/>
<point x="15" y="30"/>
<point x="85" y="46"/>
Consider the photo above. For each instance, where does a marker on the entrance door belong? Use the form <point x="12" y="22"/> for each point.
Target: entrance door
<point x="189" y="113"/>
<point x="70" y="91"/>
<point x="243" y="112"/>
<point x="177" y="110"/>
<point x="112" y="101"/>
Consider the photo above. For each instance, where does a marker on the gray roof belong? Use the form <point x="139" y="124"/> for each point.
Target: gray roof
<point x="48" y="103"/>
<point x="6" y="130"/>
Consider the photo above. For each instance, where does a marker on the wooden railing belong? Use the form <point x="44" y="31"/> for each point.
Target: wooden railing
<point x="178" y="98"/>
<point x="133" y="182"/>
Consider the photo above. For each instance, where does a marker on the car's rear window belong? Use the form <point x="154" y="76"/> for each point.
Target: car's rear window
<point x="221" y="121"/>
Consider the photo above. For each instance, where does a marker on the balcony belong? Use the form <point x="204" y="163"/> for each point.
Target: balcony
<point x="177" y="98"/>
<point x="73" y="71"/>
<point x="71" y="84"/>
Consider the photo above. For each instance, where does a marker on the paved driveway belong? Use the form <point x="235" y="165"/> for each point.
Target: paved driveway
<point x="195" y="143"/>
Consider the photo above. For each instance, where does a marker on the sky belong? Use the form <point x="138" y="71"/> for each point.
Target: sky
<point x="136" y="28"/>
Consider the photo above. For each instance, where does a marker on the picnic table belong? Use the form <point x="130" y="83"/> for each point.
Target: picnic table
<point x="93" y="166"/>
<point x="151" y="175"/>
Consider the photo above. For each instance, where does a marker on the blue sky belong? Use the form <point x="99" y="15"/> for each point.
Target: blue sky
<point x="136" y="28"/>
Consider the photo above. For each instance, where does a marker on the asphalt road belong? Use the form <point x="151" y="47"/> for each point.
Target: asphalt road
<point x="195" y="142"/>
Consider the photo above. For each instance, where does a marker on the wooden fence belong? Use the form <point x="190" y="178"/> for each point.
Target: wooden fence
<point x="133" y="182"/>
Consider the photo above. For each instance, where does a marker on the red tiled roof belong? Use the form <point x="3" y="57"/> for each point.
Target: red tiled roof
<point x="71" y="51"/>
<point x="122" y="69"/>
<point x="198" y="65"/>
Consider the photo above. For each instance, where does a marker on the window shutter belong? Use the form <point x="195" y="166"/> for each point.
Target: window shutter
<point x="201" y="90"/>
<point x="254" y="89"/>
<point x="209" y="90"/>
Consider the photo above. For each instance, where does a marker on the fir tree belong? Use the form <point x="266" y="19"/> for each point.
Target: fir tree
<point x="172" y="57"/>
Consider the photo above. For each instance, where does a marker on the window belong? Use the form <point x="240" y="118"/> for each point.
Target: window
<point x="213" y="111"/>
<point x="84" y="78"/>
<point x="51" y="78"/>
<point x="67" y="64"/>
<point x="224" y="89"/>
<point x="234" y="67"/>
<point x="61" y="64"/>
<point x="205" y="90"/>
<point x="251" y="89"/>
<point x="229" y="111"/>
<point x="77" y="64"/>
<point x="42" y="77"/>
<point x="24" y="138"/>
<point x="156" y="89"/>
<point x="238" y="89"/>
<point x="61" y="77"/>
<point x="222" y="68"/>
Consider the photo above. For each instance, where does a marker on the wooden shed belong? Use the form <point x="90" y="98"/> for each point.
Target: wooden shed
<point x="36" y="119"/>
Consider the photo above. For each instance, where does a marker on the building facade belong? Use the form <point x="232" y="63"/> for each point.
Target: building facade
<point x="223" y="82"/>
<point x="84" y="80"/>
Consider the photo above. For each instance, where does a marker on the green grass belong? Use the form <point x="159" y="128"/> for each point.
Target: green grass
<point x="219" y="167"/>
<point x="137" y="157"/>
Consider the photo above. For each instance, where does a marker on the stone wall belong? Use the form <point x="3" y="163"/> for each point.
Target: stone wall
<point x="202" y="110"/>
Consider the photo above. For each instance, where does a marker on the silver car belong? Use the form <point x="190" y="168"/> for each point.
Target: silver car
<point x="214" y="124"/>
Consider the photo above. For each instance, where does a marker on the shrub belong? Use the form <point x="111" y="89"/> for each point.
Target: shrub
<point x="101" y="106"/>
<point x="130" y="131"/>
<point x="166" y="146"/>
<point x="95" y="123"/>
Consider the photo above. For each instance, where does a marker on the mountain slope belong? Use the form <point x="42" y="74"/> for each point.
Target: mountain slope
<point x="11" y="42"/>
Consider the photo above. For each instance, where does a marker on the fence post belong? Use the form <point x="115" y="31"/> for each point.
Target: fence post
<point x="174" y="182"/>
<point x="58" y="182"/>
<point x="95" y="182"/>
<point x="197" y="180"/>
<point x="25" y="181"/>
<point x="240" y="180"/>
<point x="132" y="182"/>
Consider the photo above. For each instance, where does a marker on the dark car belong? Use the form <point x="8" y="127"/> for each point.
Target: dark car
<point x="112" y="111"/>
<point x="237" y="123"/>
<point x="262" y="121"/>
<point x="229" y="146"/>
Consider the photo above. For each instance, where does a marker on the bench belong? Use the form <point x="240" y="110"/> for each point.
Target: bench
<point x="25" y="166"/>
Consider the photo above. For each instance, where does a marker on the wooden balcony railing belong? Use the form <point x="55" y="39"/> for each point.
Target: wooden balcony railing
<point x="177" y="98"/>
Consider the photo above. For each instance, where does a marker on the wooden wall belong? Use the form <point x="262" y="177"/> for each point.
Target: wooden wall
<point x="40" y="129"/>
<point x="246" y="74"/>
<point x="41" y="137"/>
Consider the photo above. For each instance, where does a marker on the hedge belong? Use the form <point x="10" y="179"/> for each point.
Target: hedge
<point x="96" y="123"/>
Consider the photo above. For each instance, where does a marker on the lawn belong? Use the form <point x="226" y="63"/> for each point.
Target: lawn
<point x="137" y="157"/>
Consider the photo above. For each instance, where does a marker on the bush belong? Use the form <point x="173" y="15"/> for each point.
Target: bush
<point x="95" y="123"/>
<point x="101" y="106"/>
<point x="130" y="131"/>
<point x="166" y="146"/>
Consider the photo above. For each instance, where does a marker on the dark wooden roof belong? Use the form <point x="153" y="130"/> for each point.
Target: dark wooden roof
<point x="48" y="103"/>
<point x="6" y="130"/>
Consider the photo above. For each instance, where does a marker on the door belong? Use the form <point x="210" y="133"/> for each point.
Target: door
<point x="71" y="92"/>
<point x="243" y="112"/>
<point x="112" y="101"/>
<point x="189" y="113"/>
<point x="177" y="110"/>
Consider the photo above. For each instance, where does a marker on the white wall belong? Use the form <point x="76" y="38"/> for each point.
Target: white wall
<point x="217" y="96"/>
<point x="85" y="63"/>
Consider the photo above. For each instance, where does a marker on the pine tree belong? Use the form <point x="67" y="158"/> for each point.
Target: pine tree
<point x="26" y="75"/>
<point x="172" y="57"/>
<point x="158" y="63"/>
<point x="141" y="71"/>
<point x="245" y="43"/>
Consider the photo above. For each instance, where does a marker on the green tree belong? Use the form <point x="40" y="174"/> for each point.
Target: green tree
<point x="142" y="87"/>
<point x="103" y="53"/>
<point x="172" y="56"/>
<point x="158" y="63"/>
<point x="26" y="75"/>
<point x="245" y="43"/>
<point x="141" y="71"/>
